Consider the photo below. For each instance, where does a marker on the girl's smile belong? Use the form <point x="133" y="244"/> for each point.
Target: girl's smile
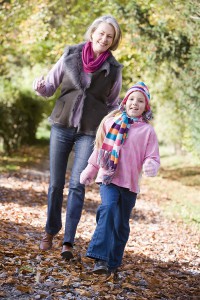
<point x="135" y="104"/>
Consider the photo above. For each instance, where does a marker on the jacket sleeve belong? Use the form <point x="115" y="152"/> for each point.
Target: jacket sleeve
<point x="113" y="98"/>
<point x="52" y="81"/>
<point x="150" y="167"/>
<point x="90" y="172"/>
<point x="93" y="159"/>
<point x="151" y="161"/>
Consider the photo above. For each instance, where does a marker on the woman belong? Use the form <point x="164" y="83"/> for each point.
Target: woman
<point x="91" y="81"/>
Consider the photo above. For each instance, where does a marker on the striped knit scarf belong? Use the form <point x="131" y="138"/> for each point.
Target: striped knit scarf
<point x="109" y="153"/>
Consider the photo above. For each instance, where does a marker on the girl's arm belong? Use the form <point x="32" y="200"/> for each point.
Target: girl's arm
<point x="152" y="158"/>
<point x="46" y="88"/>
<point x="150" y="168"/>
<point x="90" y="172"/>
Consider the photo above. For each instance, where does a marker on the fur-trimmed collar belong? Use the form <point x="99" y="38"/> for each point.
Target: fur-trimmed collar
<point x="74" y="66"/>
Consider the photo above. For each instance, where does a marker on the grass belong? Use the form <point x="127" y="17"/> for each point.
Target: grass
<point x="177" y="187"/>
<point x="25" y="157"/>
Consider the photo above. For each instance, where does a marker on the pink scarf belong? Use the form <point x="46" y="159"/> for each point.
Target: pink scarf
<point x="90" y="64"/>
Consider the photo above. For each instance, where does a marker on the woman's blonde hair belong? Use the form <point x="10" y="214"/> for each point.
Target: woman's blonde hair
<point x="110" y="20"/>
<point x="100" y="135"/>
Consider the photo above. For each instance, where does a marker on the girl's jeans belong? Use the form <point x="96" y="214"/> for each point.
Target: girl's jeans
<point x="112" y="230"/>
<point x="62" y="141"/>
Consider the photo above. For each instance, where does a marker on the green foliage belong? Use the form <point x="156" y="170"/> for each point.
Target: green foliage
<point x="20" y="114"/>
<point x="167" y="36"/>
<point x="160" y="46"/>
<point x="191" y="91"/>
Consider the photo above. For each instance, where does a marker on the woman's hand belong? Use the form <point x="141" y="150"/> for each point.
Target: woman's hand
<point x="39" y="85"/>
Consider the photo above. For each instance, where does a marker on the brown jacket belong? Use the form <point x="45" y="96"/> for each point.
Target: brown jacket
<point x="90" y="97"/>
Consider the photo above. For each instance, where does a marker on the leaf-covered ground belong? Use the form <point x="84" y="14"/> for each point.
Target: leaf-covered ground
<point x="161" y="260"/>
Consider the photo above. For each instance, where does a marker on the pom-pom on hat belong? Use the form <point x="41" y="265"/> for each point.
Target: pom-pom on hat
<point x="141" y="87"/>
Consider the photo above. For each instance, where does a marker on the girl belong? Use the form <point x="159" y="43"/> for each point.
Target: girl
<point x="125" y="143"/>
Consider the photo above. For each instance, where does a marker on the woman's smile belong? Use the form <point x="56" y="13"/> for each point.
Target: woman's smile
<point x="102" y="38"/>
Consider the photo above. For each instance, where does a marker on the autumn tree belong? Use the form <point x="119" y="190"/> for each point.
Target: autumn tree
<point x="160" y="45"/>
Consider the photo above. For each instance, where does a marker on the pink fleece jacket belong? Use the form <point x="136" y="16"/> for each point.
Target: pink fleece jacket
<point x="141" y="145"/>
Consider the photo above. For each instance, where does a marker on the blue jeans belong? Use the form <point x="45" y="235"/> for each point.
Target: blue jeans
<point x="112" y="230"/>
<point x="62" y="141"/>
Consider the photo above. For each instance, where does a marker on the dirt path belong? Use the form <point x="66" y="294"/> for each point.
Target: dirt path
<point x="161" y="260"/>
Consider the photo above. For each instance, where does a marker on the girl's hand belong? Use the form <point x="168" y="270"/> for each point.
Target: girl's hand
<point x="85" y="178"/>
<point x="88" y="174"/>
<point x="150" y="168"/>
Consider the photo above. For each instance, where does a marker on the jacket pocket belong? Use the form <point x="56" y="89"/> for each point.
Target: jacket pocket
<point x="58" y="109"/>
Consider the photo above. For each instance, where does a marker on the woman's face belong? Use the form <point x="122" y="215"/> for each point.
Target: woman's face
<point x="135" y="104"/>
<point x="102" y="38"/>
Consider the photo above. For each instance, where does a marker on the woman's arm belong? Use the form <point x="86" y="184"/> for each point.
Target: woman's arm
<point x="113" y="98"/>
<point x="46" y="88"/>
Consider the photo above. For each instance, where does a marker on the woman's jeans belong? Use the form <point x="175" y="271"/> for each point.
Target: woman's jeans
<point x="112" y="230"/>
<point x="62" y="141"/>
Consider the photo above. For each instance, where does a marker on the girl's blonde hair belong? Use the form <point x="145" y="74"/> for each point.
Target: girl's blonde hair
<point x="100" y="135"/>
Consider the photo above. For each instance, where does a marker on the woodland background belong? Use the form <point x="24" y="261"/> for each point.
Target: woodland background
<point x="160" y="46"/>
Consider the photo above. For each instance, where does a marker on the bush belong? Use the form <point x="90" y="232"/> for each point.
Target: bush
<point x="19" y="119"/>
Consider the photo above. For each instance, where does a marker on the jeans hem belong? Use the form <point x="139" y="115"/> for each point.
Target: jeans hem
<point x="52" y="232"/>
<point x="114" y="267"/>
<point x="94" y="256"/>
<point x="68" y="242"/>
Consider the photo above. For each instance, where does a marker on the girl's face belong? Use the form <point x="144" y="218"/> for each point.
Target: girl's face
<point x="135" y="104"/>
<point x="102" y="38"/>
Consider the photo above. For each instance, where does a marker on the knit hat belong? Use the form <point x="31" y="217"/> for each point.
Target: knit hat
<point x="141" y="87"/>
